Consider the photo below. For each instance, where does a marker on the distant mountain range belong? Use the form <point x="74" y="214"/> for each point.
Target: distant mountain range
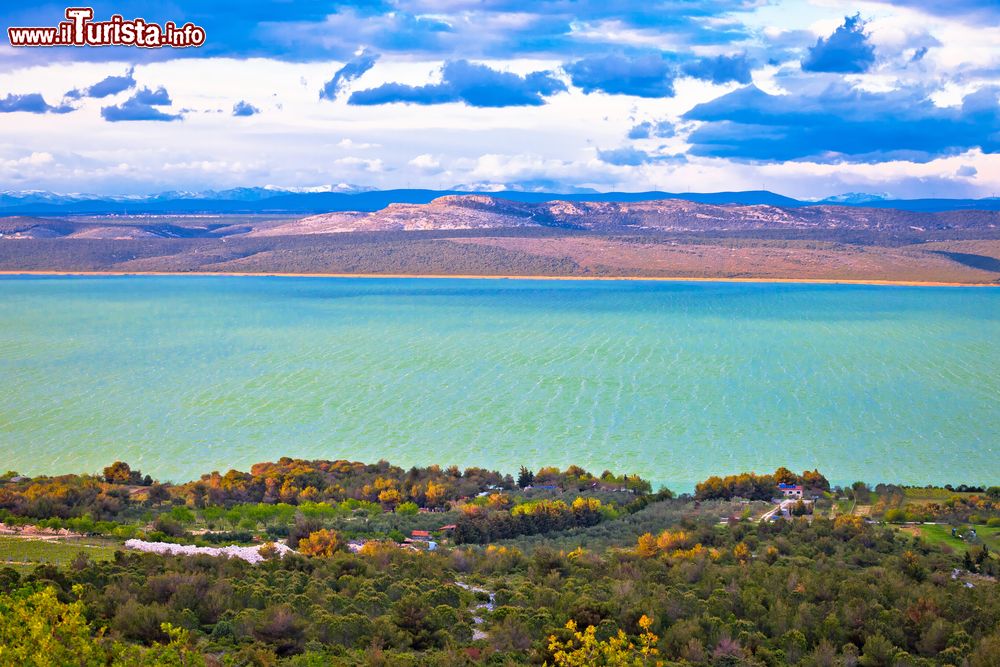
<point x="610" y="217"/>
<point x="488" y="212"/>
<point x="346" y="197"/>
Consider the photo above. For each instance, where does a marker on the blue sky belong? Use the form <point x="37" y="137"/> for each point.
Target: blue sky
<point x="808" y="97"/>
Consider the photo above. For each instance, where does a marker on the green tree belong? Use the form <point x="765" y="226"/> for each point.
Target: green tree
<point x="408" y="508"/>
<point x="877" y="652"/>
<point x="177" y="652"/>
<point x="987" y="654"/>
<point x="37" y="630"/>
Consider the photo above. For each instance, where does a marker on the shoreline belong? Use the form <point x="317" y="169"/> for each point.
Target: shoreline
<point x="278" y="274"/>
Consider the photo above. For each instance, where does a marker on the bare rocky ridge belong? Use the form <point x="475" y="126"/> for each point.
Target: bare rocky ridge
<point x="485" y="235"/>
<point x="672" y="215"/>
<point x="482" y="212"/>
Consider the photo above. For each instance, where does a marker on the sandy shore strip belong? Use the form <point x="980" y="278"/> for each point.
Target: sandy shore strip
<point x="683" y="279"/>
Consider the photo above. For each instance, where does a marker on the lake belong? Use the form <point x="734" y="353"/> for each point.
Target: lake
<point x="675" y="381"/>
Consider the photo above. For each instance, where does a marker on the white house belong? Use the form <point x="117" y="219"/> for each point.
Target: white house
<point x="790" y="490"/>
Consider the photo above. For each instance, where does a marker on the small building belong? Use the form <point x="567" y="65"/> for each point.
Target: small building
<point x="424" y="535"/>
<point x="790" y="490"/>
<point x="447" y="528"/>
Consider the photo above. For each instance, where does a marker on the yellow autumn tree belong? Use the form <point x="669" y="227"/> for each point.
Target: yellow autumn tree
<point x="850" y="522"/>
<point x="499" y="501"/>
<point x="591" y="504"/>
<point x="390" y="497"/>
<point x="669" y="540"/>
<point x="435" y="494"/>
<point x="583" y="649"/>
<point x="323" y="543"/>
<point x="646" y="546"/>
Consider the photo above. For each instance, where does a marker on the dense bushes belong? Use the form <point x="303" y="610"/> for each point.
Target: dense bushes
<point x="276" y="492"/>
<point x="758" y="487"/>
<point x="788" y="592"/>
<point x="655" y="577"/>
<point x="530" y="518"/>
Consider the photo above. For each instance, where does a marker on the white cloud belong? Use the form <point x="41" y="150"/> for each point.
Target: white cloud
<point x="425" y="162"/>
<point x="360" y="163"/>
<point x="349" y="144"/>
<point x="301" y="140"/>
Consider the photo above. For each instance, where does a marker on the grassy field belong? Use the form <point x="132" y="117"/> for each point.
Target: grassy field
<point x="24" y="554"/>
<point x="937" y="495"/>
<point x="940" y="534"/>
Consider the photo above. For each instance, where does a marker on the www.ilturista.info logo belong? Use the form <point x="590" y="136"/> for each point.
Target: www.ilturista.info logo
<point x="81" y="30"/>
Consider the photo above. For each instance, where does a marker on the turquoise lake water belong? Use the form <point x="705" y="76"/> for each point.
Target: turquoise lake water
<point x="674" y="381"/>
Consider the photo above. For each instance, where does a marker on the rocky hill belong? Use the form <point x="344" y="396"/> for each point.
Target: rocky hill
<point x="672" y="215"/>
<point x="483" y="212"/>
<point x="481" y="234"/>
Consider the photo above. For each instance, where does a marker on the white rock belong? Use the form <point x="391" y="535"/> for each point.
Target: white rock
<point x="249" y="554"/>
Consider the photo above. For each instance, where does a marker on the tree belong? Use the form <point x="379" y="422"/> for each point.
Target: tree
<point x="302" y="528"/>
<point x="968" y="563"/>
<point x="877" y="652"/>
<point x="281" y="627"/>
<point x="158" y="493"/>
<point x="813" y="479"/>
<point x="407" y="509"/>
<point x="119" y="472"/>
<point x="646" y="546"/>
<point x="771" y="555"/>
<point x="895" y="515"/>
<point x="322" y="543"/>
<point x="268" y="551"/>
<point x="987" y="654"/>
<point x="37" y="630"/>
<point x="583" y="649"/>
<point x="435" y="494"/>
<point x="390" y="497"/>
<point x="413" y="616"/>
<point x="525" y="477"/>
<point x="175" y="653"/>
<point x="912" y="566"/>
<point x="785" y="476"/>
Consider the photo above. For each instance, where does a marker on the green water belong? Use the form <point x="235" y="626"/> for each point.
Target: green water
<point x="674" y="381"/>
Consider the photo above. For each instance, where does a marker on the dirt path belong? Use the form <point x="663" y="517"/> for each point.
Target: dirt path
<point x="477" y="633"/>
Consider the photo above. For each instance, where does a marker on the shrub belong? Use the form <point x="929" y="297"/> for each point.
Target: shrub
<point x="895" y="515"/>
<point x="323" y="543"/>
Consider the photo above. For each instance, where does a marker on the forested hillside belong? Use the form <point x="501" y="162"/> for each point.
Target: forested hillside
<point x="568" y="568"/>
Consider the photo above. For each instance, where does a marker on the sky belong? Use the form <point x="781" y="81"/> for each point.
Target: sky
<point x="808" y="98"/>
